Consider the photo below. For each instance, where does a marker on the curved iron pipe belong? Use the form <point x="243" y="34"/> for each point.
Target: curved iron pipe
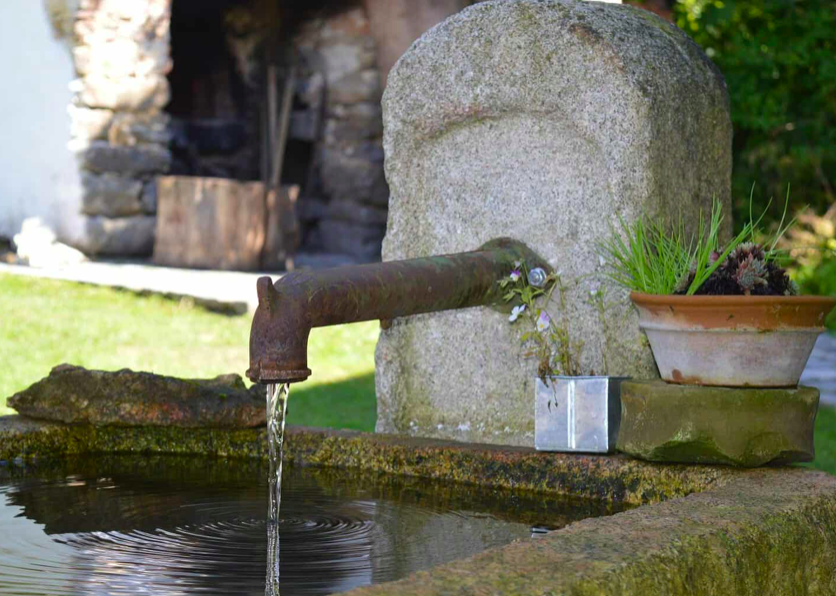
<point x="288" y="309"/>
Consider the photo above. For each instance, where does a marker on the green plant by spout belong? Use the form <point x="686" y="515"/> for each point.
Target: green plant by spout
<point x="545" y="339"/>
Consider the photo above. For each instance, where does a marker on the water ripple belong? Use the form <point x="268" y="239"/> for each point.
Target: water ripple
<point x="185" y="528"/>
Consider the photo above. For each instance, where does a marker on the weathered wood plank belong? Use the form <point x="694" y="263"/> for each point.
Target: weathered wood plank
<point x="210" y="223"/>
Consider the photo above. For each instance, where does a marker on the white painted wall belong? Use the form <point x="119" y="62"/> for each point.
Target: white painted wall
<point x="38" y="174"/>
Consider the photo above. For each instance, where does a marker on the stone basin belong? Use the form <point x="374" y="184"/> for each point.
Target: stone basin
<point x="698" y="529"/>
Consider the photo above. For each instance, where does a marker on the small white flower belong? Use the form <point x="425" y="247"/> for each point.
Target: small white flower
<point x="517" y="264"/>
<point x="516" y="312"/>
<point x="543" y="322"/>
<point x="515" y="275"/>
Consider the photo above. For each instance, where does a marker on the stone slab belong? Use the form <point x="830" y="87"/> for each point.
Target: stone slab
<point x="27" y="440"/>
<point x="140" y="160"/>
<point x="355" y="173"/>
<point x="87" y="124"/>
<point x="131" y="236"/>
<point x="539" y="121"/>
<point x="110" y="195"/>
<point x="770" y="533"/>
<point x="705" y="530"/>
<point x="356" y="213"/>
<point x="126" y="93"/>
<point x="748" y="427"/>
<point x="129" y="129"/>
<point x="231" y="292"/>
<point x="355" y="239"/>
<point x="148" y="197"/>
<point x="75" y="395"/>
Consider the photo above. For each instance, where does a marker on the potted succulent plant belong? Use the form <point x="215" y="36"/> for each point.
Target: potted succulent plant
<point x="575" y="410"/>
<point x="714" y="314"/>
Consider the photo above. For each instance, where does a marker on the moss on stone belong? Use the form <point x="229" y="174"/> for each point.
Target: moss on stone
<point x="22" y="439"/>
<point x="767" y="533"/>
<point x="611" y="478"/>
<point x="616" y="479"/>
<point x="717" y="425"/>
<point x="762" y="532"/>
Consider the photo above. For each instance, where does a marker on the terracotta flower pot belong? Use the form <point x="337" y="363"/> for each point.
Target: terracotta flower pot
<point x="732" y="341"/>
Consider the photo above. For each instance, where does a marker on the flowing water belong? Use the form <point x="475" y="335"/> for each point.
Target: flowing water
<point x="172" y="525"/>
<point x="277" y="396"/>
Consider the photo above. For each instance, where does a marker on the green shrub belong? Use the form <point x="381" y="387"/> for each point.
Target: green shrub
<point x="778" y="60"/>
<point x="811" y="248"/>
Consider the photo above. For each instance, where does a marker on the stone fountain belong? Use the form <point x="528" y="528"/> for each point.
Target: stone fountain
<point x="539" y="121"/>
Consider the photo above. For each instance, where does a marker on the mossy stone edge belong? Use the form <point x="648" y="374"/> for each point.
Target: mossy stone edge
<point x="703" y="530"/>
<point x="766" y="533"/>
<point x="748" y="427"/>
<point x="617" y="478"/>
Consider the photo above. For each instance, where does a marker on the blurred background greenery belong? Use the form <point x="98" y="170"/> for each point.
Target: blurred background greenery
<point x="779" y="61"/>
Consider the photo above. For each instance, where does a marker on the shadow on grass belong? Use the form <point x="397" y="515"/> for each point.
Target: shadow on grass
<point x="348" y="404"/>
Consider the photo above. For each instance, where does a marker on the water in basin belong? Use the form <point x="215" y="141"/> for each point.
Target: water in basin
<point x="176" y="525"/>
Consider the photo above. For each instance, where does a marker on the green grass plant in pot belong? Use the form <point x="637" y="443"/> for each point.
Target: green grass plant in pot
<point x="716" y="314"/>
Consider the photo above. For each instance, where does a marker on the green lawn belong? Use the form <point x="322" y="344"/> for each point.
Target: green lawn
<point x="44" y="323"/>
<point x="825" y="440"/>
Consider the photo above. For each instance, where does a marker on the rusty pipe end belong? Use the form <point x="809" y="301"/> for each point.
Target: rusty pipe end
<point x="278" y="338"/>
<point x="266" y="375"/>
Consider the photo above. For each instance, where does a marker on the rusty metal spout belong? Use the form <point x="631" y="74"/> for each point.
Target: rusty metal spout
<point x="290" y="308"/>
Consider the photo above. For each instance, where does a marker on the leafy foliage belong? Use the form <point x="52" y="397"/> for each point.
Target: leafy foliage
<point x="811" y="246"/>
<point x="777" y="58"/>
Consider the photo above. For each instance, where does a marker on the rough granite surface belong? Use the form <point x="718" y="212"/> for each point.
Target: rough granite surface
<point x="769" y="533"/>
<point x="538" y="120"/>
<point x="748" y="427"/>
<point x="75" y="395"/>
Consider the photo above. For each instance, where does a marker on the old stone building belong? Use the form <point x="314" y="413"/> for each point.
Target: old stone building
<point x="194" y="88"/>
<point x="178" y="90"/>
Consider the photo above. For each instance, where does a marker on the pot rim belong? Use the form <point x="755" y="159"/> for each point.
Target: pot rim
<point x="717" y="301"/>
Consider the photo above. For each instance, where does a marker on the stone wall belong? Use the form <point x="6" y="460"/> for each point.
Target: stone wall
<point x="119" y="130"/>
<point x="340" y="93"/>
<point x="122" y="135"/>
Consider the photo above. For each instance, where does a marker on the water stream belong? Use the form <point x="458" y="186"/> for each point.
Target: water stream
<point x="277" y="396"/>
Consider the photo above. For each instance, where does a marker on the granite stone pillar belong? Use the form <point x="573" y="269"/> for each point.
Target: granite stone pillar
<point x="542" y="121"/>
